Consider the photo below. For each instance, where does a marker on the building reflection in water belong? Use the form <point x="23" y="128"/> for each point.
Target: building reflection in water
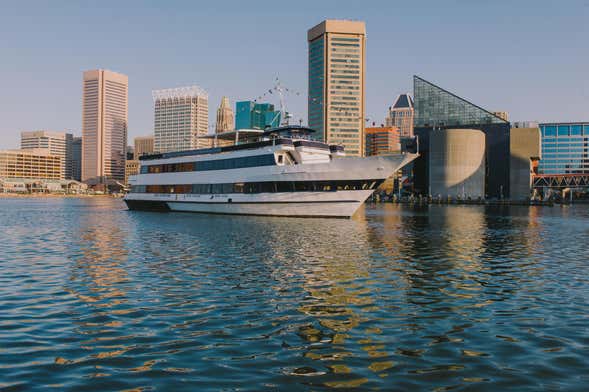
<point x="98" y="278"/>
<point x="331" y="263"/>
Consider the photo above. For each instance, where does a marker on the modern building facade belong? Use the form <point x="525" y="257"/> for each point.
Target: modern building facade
<point x="253" y="115"/>
<point x="131" y="169"/>
<point x="382" y="140"/>
<point x="435" y="109"/>
<point x="58" y="143"/>
<point x="76" y="162"/>
<point x="525" y="154"/>
<point x="336" y="102"/>
<point x="181" y="119"/>
<point x="565" y="148"/>
<point x="36" y="163"/>
<point x="143" y="145"/>
<point x="130" y="153"/>
<point x="243" y="114"/>
<point x="104" y="126"/>
<point x="225" y="118"/>
<point x="401" y="114"/>
<point x="457" y="163"/>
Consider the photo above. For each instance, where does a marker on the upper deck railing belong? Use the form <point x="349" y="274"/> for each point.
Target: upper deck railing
<point x="271" y="137"/>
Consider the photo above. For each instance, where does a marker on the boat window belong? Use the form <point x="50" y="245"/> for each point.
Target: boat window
<point x="260" y="187"/>
<point x="284" y="186"/>
<point x="218" y="164"/>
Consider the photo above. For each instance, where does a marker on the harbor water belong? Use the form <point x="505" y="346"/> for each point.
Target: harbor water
<point x="94" y="297"/>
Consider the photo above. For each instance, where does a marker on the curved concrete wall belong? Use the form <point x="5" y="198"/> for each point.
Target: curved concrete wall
<point x="457" y="163"/>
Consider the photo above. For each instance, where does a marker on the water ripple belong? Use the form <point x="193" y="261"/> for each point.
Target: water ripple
<point x="96" y="297"/>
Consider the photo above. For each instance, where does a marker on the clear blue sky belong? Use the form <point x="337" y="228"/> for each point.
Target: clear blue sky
<point x="530" y="58"/>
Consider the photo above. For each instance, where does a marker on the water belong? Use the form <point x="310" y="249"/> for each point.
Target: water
<point x="97" y="298"/>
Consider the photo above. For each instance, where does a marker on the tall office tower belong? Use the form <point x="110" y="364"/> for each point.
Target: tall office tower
<point x="225" y="120"/>
<point x="252" y="115"/>
<point x="58" y="144"/>
<point x="336" y="83"/>
<point x="181" y="119"/>
<point x="143" y="145"/>
<point x="76" y="161"/>
<point x="401" y="115"/>
<point x="104" y="126"/>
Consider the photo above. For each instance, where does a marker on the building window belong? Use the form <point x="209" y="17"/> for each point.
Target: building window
<point x="576" y="130"/>
<point x="563" y="130"/>
<point x="549" y="130"/>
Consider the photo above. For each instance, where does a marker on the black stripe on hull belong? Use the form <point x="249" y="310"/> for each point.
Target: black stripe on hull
<point x="162" y="206"/>
<point x="148" y="205"/>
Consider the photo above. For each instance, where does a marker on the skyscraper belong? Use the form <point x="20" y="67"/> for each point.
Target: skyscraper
<point x="104" y="126"/>
<point x="401" y="115"/>
<point x="336" y="83"/>
<point x="225" y="119"/>
<point x="252" y="115"/>
<point x="143" y="145"/>
<point x="58" y="143"/>
<point x="181" y="119"/>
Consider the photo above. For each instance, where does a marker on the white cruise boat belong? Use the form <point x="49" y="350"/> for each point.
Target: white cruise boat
<point x="283" y="173"/>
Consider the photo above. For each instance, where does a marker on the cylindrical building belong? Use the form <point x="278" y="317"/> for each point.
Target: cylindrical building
<point x="457" y="163"/>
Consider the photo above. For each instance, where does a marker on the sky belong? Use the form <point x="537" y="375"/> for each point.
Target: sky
<point x="530" y="58"/>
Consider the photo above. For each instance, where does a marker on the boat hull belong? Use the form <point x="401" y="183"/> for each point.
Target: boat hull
<point x="340" y="204"/>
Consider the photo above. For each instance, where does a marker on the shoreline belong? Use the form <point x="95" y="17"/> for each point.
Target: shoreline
<point x="47" y="196"/>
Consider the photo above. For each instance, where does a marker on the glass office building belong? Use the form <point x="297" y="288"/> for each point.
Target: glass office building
<point x="251" y="115"/>
<point x="436" y="108"/>
<point x="565" y="148"/>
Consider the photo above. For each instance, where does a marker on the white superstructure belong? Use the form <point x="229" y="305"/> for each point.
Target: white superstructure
<point x="282" y="174"/>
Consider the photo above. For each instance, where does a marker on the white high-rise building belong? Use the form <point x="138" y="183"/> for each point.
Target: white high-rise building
<point x="58" y="144"/>
<point x="181" y="119"/>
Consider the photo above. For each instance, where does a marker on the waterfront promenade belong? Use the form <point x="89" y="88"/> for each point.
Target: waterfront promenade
<point x="94" y="297"/>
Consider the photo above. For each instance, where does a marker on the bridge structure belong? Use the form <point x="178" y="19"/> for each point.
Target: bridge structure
<point x="560" y="181"/>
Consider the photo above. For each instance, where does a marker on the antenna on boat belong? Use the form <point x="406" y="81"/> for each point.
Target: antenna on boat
<point x="286" y="116"/>
<point x="281" y="90"/>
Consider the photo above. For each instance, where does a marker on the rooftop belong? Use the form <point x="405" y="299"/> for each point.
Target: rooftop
<point x="336" y="26"/>
<point x="180" y="92"/>
<point x="403" y="101"/>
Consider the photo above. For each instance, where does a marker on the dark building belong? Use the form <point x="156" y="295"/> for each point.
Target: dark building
<point x="76" y="159"/>
<point x="436" y="108"/>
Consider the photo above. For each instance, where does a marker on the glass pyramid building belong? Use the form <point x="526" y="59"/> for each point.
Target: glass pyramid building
<point x="436" y="107"/>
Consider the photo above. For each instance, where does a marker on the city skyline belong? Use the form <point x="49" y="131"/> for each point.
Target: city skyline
<point x="505" y="52"/>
